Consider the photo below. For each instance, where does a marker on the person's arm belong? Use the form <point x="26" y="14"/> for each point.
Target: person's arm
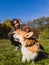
<point x="11" y="33"/>
<point x="28" y="35"/>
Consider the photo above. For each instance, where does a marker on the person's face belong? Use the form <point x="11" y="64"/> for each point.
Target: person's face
<point x="16" y="24"/>
<point x="25" y="28"/>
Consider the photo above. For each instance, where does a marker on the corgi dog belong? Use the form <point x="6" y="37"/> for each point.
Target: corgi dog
<point x="30" y="47"/>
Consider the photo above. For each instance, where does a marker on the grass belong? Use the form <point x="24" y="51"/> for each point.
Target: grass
<point x="8" y="55"/>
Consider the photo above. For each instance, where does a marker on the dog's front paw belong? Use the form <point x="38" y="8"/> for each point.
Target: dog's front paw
<point x="28" y="60"/>
<point x="33" y="63"/>
<point x="23" y="59"/>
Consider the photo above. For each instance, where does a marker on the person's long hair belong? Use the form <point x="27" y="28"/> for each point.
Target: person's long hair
<point x="12" y="22"/>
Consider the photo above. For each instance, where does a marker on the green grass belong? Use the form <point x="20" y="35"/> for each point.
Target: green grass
<point x="8" y="55"/>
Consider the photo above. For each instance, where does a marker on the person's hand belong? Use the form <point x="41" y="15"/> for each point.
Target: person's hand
<point x="29" y="34"/>
<point x="14" y="32"/>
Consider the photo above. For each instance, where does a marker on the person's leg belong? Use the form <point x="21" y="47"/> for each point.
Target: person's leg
<point x="12" y="41"/>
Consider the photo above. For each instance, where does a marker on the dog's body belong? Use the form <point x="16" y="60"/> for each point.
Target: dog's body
<point x="28" y="55"/>
<point x="29" y="52"/>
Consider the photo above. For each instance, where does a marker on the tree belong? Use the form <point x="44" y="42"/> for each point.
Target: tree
<point x="8" y="23"/>
<point x="44" y="34"/>
<point x="47" y="19"/>
<point x="4" y="30"/>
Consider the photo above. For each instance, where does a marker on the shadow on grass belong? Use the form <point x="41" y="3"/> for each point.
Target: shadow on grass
<point x="42" y="54"/>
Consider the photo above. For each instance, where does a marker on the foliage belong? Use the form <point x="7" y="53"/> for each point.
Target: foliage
<point x="44" y="34"/>
<point x="7" y="22"/>
<point x="4" y="30"/>
<point x="37" y="25"/>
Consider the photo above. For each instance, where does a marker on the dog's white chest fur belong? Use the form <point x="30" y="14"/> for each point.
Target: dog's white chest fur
<point x="28" y="55"/>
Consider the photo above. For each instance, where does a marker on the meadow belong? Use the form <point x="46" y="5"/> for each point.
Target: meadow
<point x="10" y="56"/>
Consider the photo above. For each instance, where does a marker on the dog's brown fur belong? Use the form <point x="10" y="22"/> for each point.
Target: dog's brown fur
<point x="35" y="45"/>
